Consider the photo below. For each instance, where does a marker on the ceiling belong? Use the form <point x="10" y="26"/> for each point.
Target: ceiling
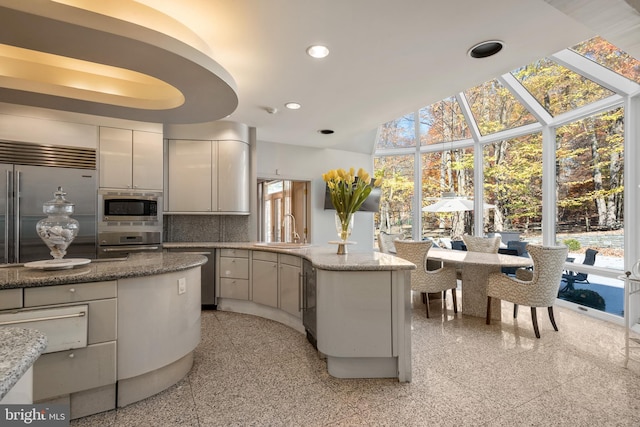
<point x="247" y="57"/>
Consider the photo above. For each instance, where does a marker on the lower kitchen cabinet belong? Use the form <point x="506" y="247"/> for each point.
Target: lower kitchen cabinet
<point x="234" y="288"/>
<point x="78" y="366"/>
<point x="112" y="342"/>
<point x="208" y="294"/>
<point x="160" y="318"/>
<point x="233" y="267"/>
<point x="260" y="282"/>
<point x="10" y="298"/>
<point x="290" y="284"/>
<point x="66" y="372"/>
<point x="265" y="278"/>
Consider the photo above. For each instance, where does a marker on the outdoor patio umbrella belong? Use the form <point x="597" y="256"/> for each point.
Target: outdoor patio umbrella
<point x="453" y="204"/>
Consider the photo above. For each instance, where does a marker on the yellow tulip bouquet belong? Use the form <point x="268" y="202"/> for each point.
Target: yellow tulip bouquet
<point x="348" y="192"/>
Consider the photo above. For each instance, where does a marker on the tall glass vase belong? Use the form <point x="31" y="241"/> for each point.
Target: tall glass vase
<point x="344" y="227"/>
<point x="58" y="229"/>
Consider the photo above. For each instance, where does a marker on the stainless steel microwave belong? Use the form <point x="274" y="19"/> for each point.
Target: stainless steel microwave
<point x="129" y="205"/>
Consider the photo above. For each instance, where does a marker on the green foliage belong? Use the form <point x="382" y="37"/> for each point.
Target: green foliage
<point x="572" y="244"/>
<point x="589" y="151"/>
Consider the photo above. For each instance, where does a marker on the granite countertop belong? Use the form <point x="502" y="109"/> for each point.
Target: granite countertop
<point x="19" y="349"/>
<point x="137" y="265"/>
<point x="321" y="256"/>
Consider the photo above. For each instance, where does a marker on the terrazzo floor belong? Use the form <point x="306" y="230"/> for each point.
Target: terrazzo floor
<point x="251" y="371"/>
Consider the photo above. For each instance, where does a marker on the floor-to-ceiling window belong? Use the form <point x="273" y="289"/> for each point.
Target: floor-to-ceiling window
<point x="395" y="214"/>
<point x="513" y="186"/>
<point x="570" y="106"/>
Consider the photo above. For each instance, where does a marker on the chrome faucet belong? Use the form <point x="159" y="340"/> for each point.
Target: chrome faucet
<point x="296" y="236"/>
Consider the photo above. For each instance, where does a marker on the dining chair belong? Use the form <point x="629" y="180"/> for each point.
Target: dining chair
<point x="482" y="244"/>
<point x="520" y="246"/>
<point x="458" y="245"/>
<point x="507" y="251"/>
<point x="386" y="242"/>
<point x="424" y="280"/>
<point x="534" y="288"/>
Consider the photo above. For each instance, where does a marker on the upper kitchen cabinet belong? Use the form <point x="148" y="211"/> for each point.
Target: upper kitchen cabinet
<point x="131" y="159"/>
<point x="208" y="177"/>
<point x="191" y="168"/>
<point x="208" y="168"/>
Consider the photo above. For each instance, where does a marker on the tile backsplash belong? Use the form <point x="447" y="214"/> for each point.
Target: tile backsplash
<point x="206" y="228"/>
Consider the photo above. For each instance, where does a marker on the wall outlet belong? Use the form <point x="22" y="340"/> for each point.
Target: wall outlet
<point x="182" y="285"/>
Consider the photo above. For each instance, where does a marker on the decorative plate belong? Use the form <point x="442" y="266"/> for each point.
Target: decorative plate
<point x="57" y="264"/>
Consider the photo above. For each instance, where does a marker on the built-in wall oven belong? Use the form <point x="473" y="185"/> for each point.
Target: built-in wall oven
<point x="129" y="221"/>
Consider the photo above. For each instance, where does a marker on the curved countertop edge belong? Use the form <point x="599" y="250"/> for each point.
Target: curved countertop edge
<point x="19" y="349"/>
<point x="322" y="257"/>
<point x="138" y="265"/>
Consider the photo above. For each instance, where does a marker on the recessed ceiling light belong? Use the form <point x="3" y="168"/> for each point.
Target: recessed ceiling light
<point x="326" y="131"/>
<point x="485" y="49"/>
<point x="317" y="51"/>
<point x="293" y="105"/>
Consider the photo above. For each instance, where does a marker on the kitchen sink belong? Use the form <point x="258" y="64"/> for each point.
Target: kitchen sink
<point x="283" y="245"/>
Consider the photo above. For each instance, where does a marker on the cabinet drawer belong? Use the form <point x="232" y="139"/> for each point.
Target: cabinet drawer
<point x="10" y="298"/>
<point x="237" y="268"/>
<point x="265" y="256"/>
<point x="296" y="261"/>
<point x="60" y="294"/>
<point x="236" y="253"/>
<point x="234" y="288"/>
<point x="65" y="372"/>
<point x="65" y="327"/>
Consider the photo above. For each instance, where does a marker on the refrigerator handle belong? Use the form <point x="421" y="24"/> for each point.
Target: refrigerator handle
<point x="16" y="200"/>
<point x="6" y="218"/>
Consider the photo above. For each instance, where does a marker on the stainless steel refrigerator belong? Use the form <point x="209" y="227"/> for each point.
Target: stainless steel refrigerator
<point x="23" y="190"/>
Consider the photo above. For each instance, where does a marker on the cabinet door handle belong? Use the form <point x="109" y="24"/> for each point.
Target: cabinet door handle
<point x="40" y="319"/>
<point x="71" y="356"/>
<point x="72" y="290"/>
<point x="303" y="295"/>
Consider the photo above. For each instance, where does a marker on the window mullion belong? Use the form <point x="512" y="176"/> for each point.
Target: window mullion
<point x="416" y="229"/>
<point x="548" y="186"/>
<point x="528" y="100"/>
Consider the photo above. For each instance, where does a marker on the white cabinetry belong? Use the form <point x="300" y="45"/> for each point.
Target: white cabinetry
<point x="275" y="281"/>
<point x="364" y="323"/>
<point x="290" y="283"/>
<point x="191" y="169"/>
<point x="83" y="372"/>
<point x="160" y="318"/>
<point x="130" y="159"/>
<point x="233" y="265"/>
<point x="233" y="176"/>
<point x="208" y="176"/>
<point x="264" y="283"/>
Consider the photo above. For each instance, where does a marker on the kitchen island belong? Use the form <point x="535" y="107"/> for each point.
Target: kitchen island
<point x="19" y="349"/>
<point x="358" y="312"/>
<point x="118" y="331"/>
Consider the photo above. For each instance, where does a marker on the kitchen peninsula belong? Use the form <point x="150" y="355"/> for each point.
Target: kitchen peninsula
<point x="133" y="323"/>
<point x="357" y="307"/>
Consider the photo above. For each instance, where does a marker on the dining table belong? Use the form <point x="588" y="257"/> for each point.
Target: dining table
<point x="476" y="267"/>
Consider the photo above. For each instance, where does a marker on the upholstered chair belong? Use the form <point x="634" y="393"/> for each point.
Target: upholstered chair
<point x="386" y="242"/>
<point x="482" y="244"/>
<point x="534" y="288"/>
<point x="424" y="280"/>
